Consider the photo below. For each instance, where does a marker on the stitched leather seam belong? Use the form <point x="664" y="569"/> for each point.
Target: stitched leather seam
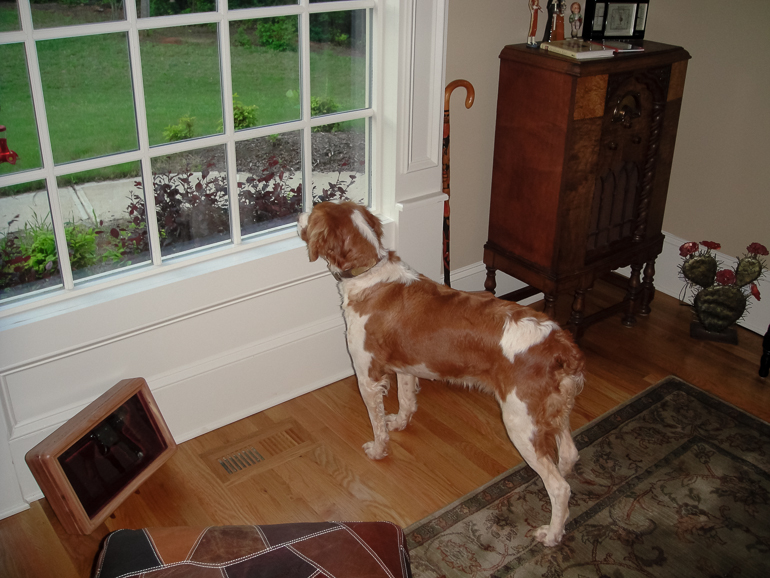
<point x="314" y="564"/>
<point x="368" y="549"/>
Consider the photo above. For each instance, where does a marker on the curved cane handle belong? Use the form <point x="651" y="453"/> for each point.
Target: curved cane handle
<point x="470" y="93"/>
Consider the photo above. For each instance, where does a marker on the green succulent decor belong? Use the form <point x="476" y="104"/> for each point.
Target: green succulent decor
<point x="720" y="296"/>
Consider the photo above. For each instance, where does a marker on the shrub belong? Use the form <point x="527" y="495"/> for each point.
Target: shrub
<point x="244" y="116"/>
<point x="278" y="34"/>
<point x="269" y="196"/>
<point x="181" y="131"/>
<point x="322" y="106"/>
<point x="184" y="211"/>
<point x="30" y="254"/>
<point x="242" y="38"/>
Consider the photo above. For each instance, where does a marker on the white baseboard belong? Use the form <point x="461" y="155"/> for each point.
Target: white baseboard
<point x="667" y="280"/>
<point x="18" y="508"/>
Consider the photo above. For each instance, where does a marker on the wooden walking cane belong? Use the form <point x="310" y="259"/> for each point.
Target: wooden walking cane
<point x="470" y="95"/>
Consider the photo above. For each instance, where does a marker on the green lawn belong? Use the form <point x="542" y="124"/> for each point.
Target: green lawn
<point x="89" y="105"/>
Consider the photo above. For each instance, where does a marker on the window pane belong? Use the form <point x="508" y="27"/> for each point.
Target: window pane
<point x="191" y="202"/>
<point x="145" y="8"/>
<point x="104" y="229"/>
<point x="341" y="162"/>
<point x="9" y="16"/>
<point x="88" y="96"/>
<point x="338" y="77"/>
<point x="68" y="13"/>
<point x="182" y="92"/>
<point x="265" y="71"/>
<point x="269" y="181"/>
<point x="28" y="258"/>
<point x="16" y="112"/>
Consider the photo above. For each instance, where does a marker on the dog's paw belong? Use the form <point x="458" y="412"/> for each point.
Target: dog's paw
<point x="548" y="537"/>
<point x="375" y="451"/>
<point x="395" y="422"/>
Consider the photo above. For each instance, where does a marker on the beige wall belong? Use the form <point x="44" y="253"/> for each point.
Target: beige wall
<point x="719" y="185"/>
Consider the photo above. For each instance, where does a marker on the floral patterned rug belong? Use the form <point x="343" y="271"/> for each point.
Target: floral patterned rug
<point x="675" y="482"/>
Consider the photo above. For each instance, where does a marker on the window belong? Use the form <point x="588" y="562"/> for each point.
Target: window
<point x="143" y="132"/>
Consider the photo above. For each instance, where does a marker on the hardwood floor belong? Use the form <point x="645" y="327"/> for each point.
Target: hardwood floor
<point x="455" y="443"/>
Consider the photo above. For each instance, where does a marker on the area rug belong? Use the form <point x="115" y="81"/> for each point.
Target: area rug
<point x="674" y="483"/>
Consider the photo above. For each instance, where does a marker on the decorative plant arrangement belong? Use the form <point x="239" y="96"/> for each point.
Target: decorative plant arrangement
<point x="720" y="295"/>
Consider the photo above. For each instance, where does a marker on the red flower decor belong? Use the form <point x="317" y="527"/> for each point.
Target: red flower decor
<point x="711" y="245"/>
<point x="688" y="249"/>
<point x="757" y="249"/>
<point x="755" y="291"/>
<point x="725" y="277"/>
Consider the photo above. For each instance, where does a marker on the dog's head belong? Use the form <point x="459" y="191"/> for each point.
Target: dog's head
<point x="346" y="235"/>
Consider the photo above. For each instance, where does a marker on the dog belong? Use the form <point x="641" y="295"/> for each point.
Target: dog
<point x="403" y="324"/>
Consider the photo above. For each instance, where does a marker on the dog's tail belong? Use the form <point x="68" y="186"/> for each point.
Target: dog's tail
<point x="565" y="380"/>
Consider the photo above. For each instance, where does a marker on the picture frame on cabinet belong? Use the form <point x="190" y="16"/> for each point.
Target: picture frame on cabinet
<point x="615" y="20"/>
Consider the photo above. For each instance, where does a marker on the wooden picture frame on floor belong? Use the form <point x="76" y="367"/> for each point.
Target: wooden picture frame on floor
<point x="93" y="462"/>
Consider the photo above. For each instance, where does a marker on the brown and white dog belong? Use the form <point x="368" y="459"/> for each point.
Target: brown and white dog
<point x="402" y="324"/>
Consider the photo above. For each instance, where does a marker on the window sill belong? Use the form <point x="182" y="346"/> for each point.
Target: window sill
<point x="266" y="263"/>
<point x="91" y="292"/>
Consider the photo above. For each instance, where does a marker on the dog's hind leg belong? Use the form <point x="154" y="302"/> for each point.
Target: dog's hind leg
<point x="407" y="402"/>
<point x="568" y="454"/>
<point x="372" y="392"/>
<point x="521" y="430"/>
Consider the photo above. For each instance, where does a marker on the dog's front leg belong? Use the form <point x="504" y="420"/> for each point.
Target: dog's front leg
<point x="372" y="392"/>
<point x="407" y="402"/>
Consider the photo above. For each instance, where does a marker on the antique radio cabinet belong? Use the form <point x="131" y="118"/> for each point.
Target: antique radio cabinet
<point x="582" y="159"/>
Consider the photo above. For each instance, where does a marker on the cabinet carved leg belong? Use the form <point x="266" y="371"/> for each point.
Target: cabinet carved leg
<point x="490" y="283"/>
<point x="550" y="305"/>
<point x="648" y="289"/>
<point x="634" y="287"/>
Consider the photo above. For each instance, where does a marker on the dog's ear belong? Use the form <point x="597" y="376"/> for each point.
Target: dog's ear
<point x="314" y="236"/>
<point x="321" y="238"/>
<point x="373" y="222"/>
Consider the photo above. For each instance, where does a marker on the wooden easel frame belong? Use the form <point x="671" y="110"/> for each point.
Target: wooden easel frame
<point x="59" y="487"/>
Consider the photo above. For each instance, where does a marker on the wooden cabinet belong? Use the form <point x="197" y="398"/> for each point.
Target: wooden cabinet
<point x="582" y="160"/>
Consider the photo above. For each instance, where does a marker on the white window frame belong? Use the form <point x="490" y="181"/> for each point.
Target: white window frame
<point x="238" y="249"/>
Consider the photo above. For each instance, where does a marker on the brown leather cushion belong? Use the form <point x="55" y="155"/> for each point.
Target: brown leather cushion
<point x="324" y="549"/>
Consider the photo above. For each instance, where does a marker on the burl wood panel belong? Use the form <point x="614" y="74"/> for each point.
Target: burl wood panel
<point x="527" y="171"/>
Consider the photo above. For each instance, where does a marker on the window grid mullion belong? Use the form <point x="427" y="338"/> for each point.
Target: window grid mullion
<point x="307" y="139"/>
<point x="46" y="151"/>
<point x="369" y="24"/>
<point x="140" y="109"/>
<point x="226" y="88"/>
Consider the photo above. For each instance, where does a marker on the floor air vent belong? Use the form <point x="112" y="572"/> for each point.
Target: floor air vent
<point x="258" y="452"/>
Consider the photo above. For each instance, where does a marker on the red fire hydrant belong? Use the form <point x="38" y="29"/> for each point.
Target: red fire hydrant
<point x="6" y="155"/>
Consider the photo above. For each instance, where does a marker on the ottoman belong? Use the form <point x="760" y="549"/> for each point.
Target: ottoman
<point x="323" y="549"/>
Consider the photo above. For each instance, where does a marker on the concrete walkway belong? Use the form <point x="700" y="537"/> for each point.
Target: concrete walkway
<point x="108" y="201"/>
